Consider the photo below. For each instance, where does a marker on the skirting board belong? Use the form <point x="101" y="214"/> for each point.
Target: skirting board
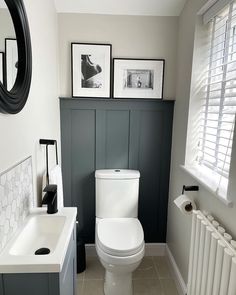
<point x="180" y="284"/>
<point x="151" y="249"/>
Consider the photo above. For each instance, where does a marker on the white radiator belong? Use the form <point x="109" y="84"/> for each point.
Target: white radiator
<point x="212" y="263"/>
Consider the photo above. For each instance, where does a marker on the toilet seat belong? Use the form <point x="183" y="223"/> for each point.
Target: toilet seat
<point x="120" y="236"/>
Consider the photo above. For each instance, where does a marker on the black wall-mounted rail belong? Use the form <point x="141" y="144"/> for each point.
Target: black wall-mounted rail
<point x="190" y="188"/>
<point x="48" y="142"/>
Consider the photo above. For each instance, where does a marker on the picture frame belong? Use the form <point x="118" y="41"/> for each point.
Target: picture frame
<point x="11" y="55"/>
<point x="91" y="70"/>
<point x="138" y="78"/>
<point x="1" y="67"/>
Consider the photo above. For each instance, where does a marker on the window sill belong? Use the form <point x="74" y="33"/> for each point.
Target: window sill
<point x="207" y="182"/>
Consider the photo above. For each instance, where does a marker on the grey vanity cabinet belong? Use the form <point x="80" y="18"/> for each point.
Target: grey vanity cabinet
<point x="67" y="276"/>
<point x="63" y="283"/>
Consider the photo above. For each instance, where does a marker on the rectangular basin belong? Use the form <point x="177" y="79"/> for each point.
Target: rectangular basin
<point x="39" y="232"/>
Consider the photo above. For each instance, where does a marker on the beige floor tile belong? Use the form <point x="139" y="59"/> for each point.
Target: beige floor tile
<point x="80" y="276"/>
<point x="80" y="287"/>
<point x="169" y="287"/>
<point x="92" y="287"/>
<point x="147" y="287"/>
<point x="162" y="267"/>
<point x="145" y="278"/>
<point x="94" y="269"/>
<point x="146" y="269"/>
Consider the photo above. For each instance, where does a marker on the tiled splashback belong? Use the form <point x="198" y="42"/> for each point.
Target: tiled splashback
<point x="16" y="197"/>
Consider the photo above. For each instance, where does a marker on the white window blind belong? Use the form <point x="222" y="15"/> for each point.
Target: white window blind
<point x="217" y="117"/>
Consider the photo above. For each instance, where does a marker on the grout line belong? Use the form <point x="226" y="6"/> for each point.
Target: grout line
<point x="158" y="276"/>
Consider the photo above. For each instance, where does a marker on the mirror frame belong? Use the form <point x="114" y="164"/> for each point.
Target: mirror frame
<point x="13" y="101"/>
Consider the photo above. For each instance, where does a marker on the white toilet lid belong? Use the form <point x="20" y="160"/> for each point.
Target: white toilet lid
<point x="120" y="236"/>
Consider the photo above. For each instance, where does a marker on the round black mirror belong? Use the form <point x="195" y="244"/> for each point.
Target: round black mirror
<point x="14" y="90"/>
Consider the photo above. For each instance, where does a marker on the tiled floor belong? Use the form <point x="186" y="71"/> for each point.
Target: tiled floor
<point x="153" y="277"/>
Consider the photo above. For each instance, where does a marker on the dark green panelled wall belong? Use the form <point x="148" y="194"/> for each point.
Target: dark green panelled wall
<point x="130" y="134"/>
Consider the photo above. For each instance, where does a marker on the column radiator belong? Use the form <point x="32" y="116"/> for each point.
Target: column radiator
<point x="212" y="263"/>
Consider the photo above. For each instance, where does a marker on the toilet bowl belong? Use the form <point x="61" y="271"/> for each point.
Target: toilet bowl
<point x="120" y="248"/>
<point x="119" y="237"/>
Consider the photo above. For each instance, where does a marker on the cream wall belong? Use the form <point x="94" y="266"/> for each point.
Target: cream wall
<point x="130" y="36"/>
<point x="179" y="226"/>
<point x="40" y="117"/>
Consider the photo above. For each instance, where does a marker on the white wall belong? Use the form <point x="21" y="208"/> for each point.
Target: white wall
<point x="179" y="226"/>
<point x="40" y="117"/>
<point x="6" y="28"/>
<point x="130" y="36"/>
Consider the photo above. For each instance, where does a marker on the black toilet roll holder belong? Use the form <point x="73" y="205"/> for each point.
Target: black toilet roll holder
<point x="190" y="188"/>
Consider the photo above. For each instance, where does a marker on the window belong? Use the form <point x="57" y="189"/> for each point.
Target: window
<point x="217" y="93"/>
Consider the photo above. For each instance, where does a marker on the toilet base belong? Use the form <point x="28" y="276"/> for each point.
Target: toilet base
<point x="118" y="271"/>
<point x="118" y="283"/>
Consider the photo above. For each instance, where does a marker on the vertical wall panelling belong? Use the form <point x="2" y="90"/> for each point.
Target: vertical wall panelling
<point x="65" y="141"/>
<point x="1" y="285"/>
<point x="83" y="166"/>
<point x="100" y="138"/>
<point x="117" y="139"/>
<point x="149" y="163"/>
<point x="166" y="143"/>
<point x="134" y="138"/>
<point x="134" y="134"/>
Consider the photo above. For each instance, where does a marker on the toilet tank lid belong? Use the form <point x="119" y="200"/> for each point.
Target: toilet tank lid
<point x="117" y="174"/>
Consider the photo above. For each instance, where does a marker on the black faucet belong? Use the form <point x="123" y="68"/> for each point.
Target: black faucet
<point x="50" y="198"/>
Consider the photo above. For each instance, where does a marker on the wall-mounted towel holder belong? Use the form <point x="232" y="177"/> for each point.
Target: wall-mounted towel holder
<point x="48" y="142"/>
<point x="190" y="188"/>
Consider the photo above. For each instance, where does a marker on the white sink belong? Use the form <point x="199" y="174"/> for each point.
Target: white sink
<point x="42" y="231"/>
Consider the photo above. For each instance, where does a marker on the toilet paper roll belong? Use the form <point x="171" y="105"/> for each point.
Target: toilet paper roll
<point x="185" y="204"/>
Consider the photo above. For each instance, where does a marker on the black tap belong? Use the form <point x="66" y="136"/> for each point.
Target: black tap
<point x="50" y="198"/>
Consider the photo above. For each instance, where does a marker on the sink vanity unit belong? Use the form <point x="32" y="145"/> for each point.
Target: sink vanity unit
<point x="41" y="257"/>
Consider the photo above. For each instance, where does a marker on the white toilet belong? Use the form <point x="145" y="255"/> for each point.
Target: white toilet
<point x="119" y="234"/>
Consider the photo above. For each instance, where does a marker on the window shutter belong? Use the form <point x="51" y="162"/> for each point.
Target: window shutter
<point x="218" y="94"/>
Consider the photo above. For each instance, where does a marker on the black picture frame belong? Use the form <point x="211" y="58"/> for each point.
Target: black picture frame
<point x="98" y="83"/>
<point x="13" y="101"/>
<point x="138" y="78"/>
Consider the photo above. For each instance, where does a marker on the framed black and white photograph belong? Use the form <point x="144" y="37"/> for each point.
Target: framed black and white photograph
<point x="1" y="66"/>
<point x="91" y="70"/>
<point x="138" y="78"/>
<point x="11" y="62"/>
